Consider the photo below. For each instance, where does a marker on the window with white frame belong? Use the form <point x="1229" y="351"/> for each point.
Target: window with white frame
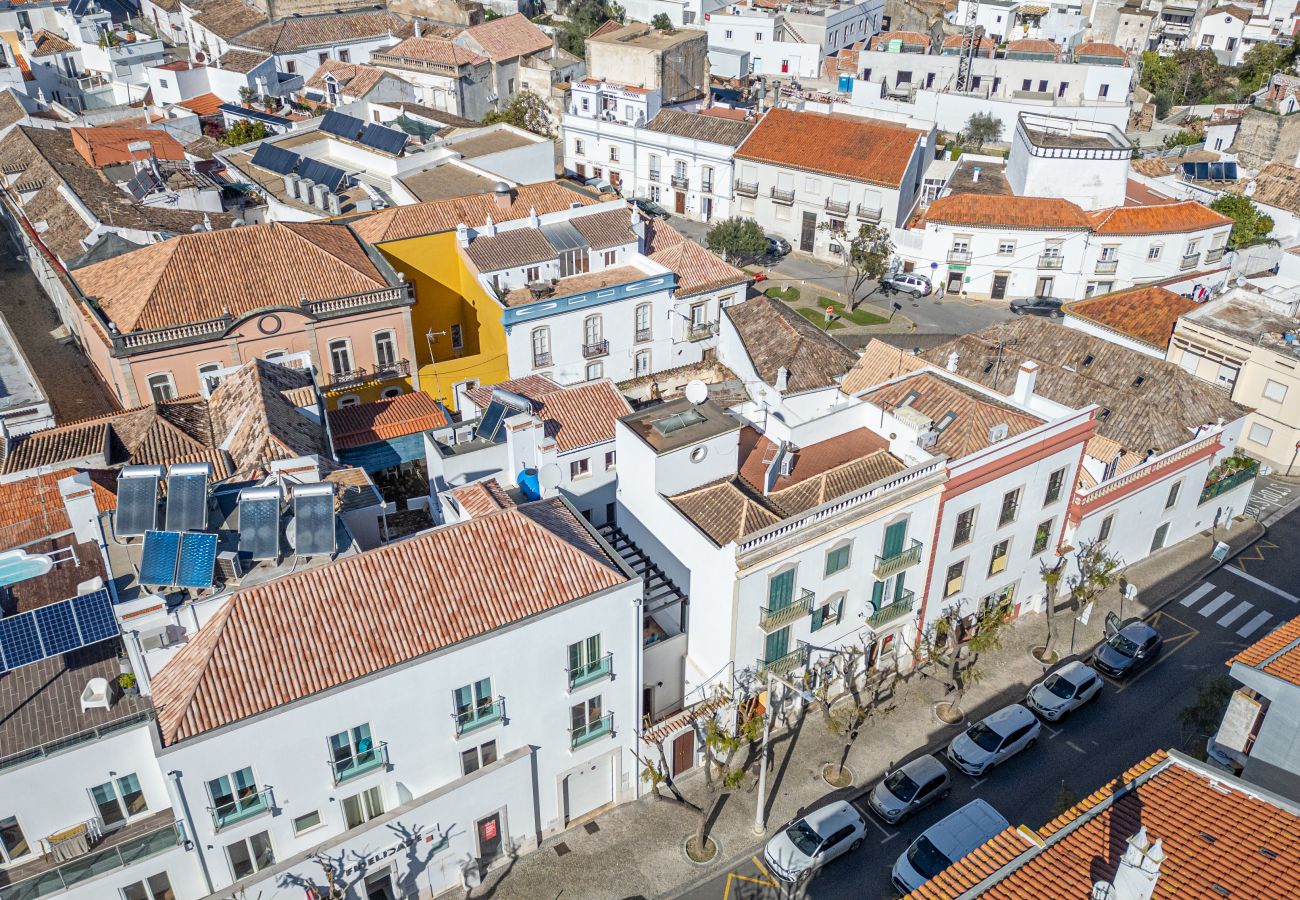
<point x="155" y="887"/>
<point x="593" y="331"/>
<point x="1172" y="497"/>
<point x="1006" y="248"/>
<point x="643" y="322"/>
<point x="119" y="800"/>
<point x="361" y="808"/>
<point x="998" y="558"/>
<point x="955" y="578"/>
<point x="642" y="363"/>
<point x="595" y="370"/>
<point x="1110" y="253"/>
<point x="1154" y="251"/>
<point x="1042" y="536"/>
<point x="250" y="855"/>
<point x="613" y="154"/>
<point x="390" y="393"/>
<point x="349" y="400"/>
<point x="162" y="387"/>
<point x="1260" y="434"/>
<point x="1274" y="390"/>
<point x="475" y="758"/>
<point x="13" y="843"/>
<point x="580" y="468"/>
<point x="385" y="349"/>
<point x="828" y="613"/>
<point x="340" y="356"/>
<point x="579" y="146"/>
<point x="837" y="558"/>
<point x="609" y="258"/>
<point x="208" y="375"/>
<point x="474" y="705"/>
<point x="610" y="460"/>
<point x="532" y="273"/>
<point x="654" y="167"/>
<point x="235" y="796"/>
<point x="541" y="347"/>
<point x="306" y="822"/>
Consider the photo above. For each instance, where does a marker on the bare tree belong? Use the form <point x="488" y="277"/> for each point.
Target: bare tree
<point x="721" y="749"/>
<point x="964" y="655"/>
<point x="1052" y="587"/>
<point x="657" y="774"/>
<point x="1096" y="569"/>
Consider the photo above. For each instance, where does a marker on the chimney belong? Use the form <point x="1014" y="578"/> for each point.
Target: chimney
<point x="462" y="234"/>
<point x="419" y="32"/>
<point x="953" y="359"/>
<point x="1138" y="872"/>
<point x="489" y="226"/>
<point x="782" y="379"/>
<point x="524" y="435"/>
<point x="781" y="464"/>
<point x="79" y="501"/>
<point x="1026" y="378"/>
<point x="534" y="220"/>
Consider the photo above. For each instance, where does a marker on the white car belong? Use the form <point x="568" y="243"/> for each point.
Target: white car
<point x="945" y="842"/>
<point x="1064" y="691"/>
<point x="811" y="842"/>
<point x="994" y="739"/>
<point x="908" y="283"/>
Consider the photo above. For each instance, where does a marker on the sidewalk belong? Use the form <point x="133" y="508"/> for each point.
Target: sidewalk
<point x="637" y="849"/>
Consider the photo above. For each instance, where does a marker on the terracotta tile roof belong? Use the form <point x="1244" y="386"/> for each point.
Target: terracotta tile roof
<point x="435" y="50"/>
<point x="279" y="642"/>
<point x="938" y="398"/>
<point x="700" y="127"/>
<point x="32" y="508"/>
<point x="724" y="511"/>
<point x="1154" y="167"/>
<point x="1237" y="12"/>
<point x="355" y="489"/>
<point x="47" y="43"/>
<point x="505" y="38"/>
<point x="225" y="18"/>
<point x="879" y="362"/>
<point x="1277" y="184"/>
<point x="1161" y="412"/>
<point x="776" y="337"/>
<point x="1099" y="48"/>
<point x="106" y="145"/>
<point x="481" y="498"/>
<point x="369" y="423"/>
<point x="575" y="416"/>
<point x="867" y="150"/>
<point x="256" y="420"/>
<point x="757" y="451"/>
<point x="991" y="211"/>
<point x="200" y="276"/>
<point x="1166" y="218"/>
<point x="1145" y="314"/>
<point x="1277" y="653"/>
<point x="954" y="41"/>
<point x="509" y="249"/>
<point x="1138" y="194"/>
<point x="677" y="722"/>
<point x="356" y="81"/>
<point x="607" y="229"/>
<point x="418" y="219"/>
<point x="724" y="112"/>
<point x="203" y="105"/>
<point x="1180" y="803"/>
<point x="326" y="29"/>
<point x="912" y="38"/>
<point x="698" y="270"/>
<point x="243" y="61"/>
<point x="1034" y="45"/>
<point x="534" y="387"/>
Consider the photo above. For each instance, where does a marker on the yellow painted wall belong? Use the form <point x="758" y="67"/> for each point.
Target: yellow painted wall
<point x="447" y="292"/>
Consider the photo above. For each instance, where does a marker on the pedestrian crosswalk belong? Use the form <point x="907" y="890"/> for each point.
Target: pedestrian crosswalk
<point x="1222" y="602"/>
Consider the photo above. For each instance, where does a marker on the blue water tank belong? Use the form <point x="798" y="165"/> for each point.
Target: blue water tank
<point x="528" y="485"/>
<point x="846" y="84"/>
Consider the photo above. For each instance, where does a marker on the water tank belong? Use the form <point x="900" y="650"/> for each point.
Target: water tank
<point x="846" y="84"/>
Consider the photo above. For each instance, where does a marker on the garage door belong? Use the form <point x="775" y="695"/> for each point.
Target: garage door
<point x="588" y="788"/>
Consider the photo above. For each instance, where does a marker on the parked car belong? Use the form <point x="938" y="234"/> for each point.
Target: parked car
<point x="909" y="789"/>
<point x="908" y="283"/>
<point x="994" y="739"/>
<point x="777" y="246"/>
<point x="651" y="209"/>
<point x="945" y="842"/>
<point x="1064" y="691"/>
<point x="600" y="185"/>
<point x="1127" y="648"/>
<point x="1048" y="307"/>
<point x="814" y="840"/>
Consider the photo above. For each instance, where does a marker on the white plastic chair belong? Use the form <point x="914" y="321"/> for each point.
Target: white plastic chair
<point x="95" y="695"/>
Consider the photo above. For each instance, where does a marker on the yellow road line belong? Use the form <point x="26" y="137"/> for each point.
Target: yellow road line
<point x="1254" y="553"/>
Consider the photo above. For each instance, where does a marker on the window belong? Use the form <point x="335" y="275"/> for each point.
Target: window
<point x="13" y="844"/>
<point x="1042" y="86"/>
<point x="321" y="58"/>
<point x="837" y="559"/>
<point x="340" y="356"/>
<point x="642" y="363"/>
<point x="1110" y="253"/>
<point x="595" y="370"/>
<point x="593" y="330"/>
<point x="613" y="154"/>
<point x="161" y="387"/>
<point x="275" y="354"/>
<point x="162" y="83"/>
<point x="510" y="85"/>
<point x="1006" y="248"/>
<point x="475" y="758"/>
<point x="654" y="190"/>
<point x="1055" y="482"/>
<point x="235" y="797"/>
<point x="207" y="375"/>
<point x="998" y="559"/>
<point x="390" y="393"/>
<point x="587" y="662"/>
<point x="1260" y="434"/>
<point x="1154" y="251"/>
<point x="579" y="148"/>
<point x="1027" y="84"/>
<point x="727" y="34"/>
<point x="457" y="337"/>
<point x="1232" y="44"/>
<point x="828" y="613"/>
<point x="1172" y="497"/>
<point x="475" y="706"/>
<point x="291" y="67"/>
<point x="306" y="822"/>
<point x="253" y="854"/>
<point x="965" y="528"/>
<point x="353" y="752"/>
<point x="642" y="318"/>
<point x="361" y="808"/>
<point x="1158" y="539"/>
<point x="654" y="167"/>
<point x="758" y="38"/>
<point x="349" y="400"/>
<point x="118" y="800"/>
<point x="1274" y="390"/>
<point x="155" y="887"/>
<point x="1010" y="507"/>
<point x="385" y="349"/>
<point x="541" y="347"/>
<point x="580" y="468"/>
<point x="1062" y="88"/>
<point x="587" y="721"/>
<point x="609" y="257"/>
<point x="610" y="460"/>
<point x="955" y="578"/>
<point x="1106" y="524"/>
<point x="1043" y="536"/>
<point x="532" y="273"/>
<point x="586" y="104"/>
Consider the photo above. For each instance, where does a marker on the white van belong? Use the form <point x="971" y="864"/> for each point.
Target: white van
<point x="945" y="842"/>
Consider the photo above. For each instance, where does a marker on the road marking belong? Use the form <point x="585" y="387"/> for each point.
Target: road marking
<point x="1236" y="613"/>
<point x="1048" y="728"/>
<point x="1253" y="625"/>
<point x="892" y="835"/>
<point x="1173" y="643"/>
<point x="1258" y="582"/>
<point x="758" y="863"/>
<point x="881" y="828"/>
<point x="1073" y="746"/>
<point x="1253" y="553"/>
<point x="733" y="876"/>
<point x="1213" y="606"/>
<point x="975" y="782"/>
<point x="1197" y="594"/>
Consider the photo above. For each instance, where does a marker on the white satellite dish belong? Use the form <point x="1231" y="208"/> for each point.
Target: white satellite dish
<point x="549" y="476"/>
<point x="697" y="391"/>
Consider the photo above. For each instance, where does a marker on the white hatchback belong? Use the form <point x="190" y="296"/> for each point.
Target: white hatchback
<point x="1064" y="691"/>
<point x="814" y="840"/>
<point x="994" y="739"/>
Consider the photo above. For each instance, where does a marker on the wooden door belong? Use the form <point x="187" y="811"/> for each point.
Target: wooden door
<point x="679" y="202"/>
<point x="809" y="233"/>
<point x="999" y="287"/>
<point x="683" y="752"/>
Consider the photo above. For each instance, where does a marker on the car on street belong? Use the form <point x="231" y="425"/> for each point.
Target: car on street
<point x="945" y="842"/>
<point x="777" y="246"/>
<point x="600" y="185"/>
<point x="1127" y="648"/>
<point x="1064" y="691"/>
<point x="910" y="788"/>
<point x="651" y="209"/>
<point x="994" y="739"/>
<point x="812" y="841"/>
<point x="1048" y="307"/>
<point x="908" y="283"/>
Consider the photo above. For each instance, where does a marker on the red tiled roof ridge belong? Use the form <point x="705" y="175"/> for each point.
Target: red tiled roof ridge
<point x="1163" y="218"/>
<point x="991" y="211"/>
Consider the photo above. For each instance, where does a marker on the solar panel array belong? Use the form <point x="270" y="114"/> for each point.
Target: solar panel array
<point x="187" y="497"/>
<point x="275" y="159"/>
<point x="313" y="519"/>
<point x="321" y="173"/>
<point x="180" y="559"/>
<point x="503" y="405"/>
<point x="142" y="185"/>
<point x="57" y="628"/>
<point x="137" y="500"/>
<point x="1210" y="171"/>
<point x="386" y="140"/>
<point x="259" y="522"/>
<point x="343" y="125"/>
<point x="158" y="559"/>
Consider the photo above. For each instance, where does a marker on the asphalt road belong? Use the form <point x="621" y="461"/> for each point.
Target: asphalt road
<point x="1202" y="628"/>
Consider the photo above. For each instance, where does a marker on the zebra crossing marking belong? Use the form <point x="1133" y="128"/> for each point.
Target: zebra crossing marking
<point x="1253" y="625"/>
<point x="1197" y="594"/>
<point x="1236" y="613"/>
<point x="1214" y="605"/>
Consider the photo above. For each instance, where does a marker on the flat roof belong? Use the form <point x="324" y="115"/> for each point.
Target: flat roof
<point x="1249" y="319"/>
<point x="445" y="182"/>
<point x="493" y="142"/>
<point x="1044" y="137"/>
<point x="992" y="178"/>
<point x="679" y="423"/>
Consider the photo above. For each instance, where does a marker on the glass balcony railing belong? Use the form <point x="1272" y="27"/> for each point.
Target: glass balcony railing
<point x="771" y="619"/>
<point x="94" y="864"/>
<point x="1050" y="262"/>
<point x="592" y="731"/>
<point x="903" y="559"/>
<point x="589" y="672"/>
<point x="783" y="665"/>
<point x="479" y="716"/>
<point x="1106" y="266"/>
<point x="254" y="804"/>
<point x="360" y="763"/>
<point x="959" y="256"/>
<point x="900" y="607"/>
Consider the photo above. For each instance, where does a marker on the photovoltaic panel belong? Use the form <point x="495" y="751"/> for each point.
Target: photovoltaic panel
<point x="259" y="522"/>
<point x="57" y="627"/>
<point x="321" y="173"/>
<point x="343" y="125"/>
<point x="158" y="559"/>
<point x="275" y="159"/>
<point x="137" y="501"/>
<point x="386" y="140"/>
<point x="197" y="558"/>
<point x="95" y="617"/>
<point x="187" y="497"/>
<point x="313" y="519"/>
<point x="19" y="640"/>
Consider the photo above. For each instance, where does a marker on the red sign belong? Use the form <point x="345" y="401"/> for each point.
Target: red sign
<point x="489" y="829"/>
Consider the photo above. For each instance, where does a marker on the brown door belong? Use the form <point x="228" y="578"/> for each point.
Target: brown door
<point x="683" y="752"/>
<point x="581" y="169"/>
<point x="809" y="232"/>
<point x="999" y="287"/>
<point x="680" y="202"/>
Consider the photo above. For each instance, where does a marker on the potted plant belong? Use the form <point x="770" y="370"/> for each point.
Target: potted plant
<point x="126" y="681"/>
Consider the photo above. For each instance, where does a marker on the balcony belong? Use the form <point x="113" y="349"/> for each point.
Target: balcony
<point x="1213" y="255"/>
<point x="359" y="763"/>
<point x="899" y="608"/>
<point x="592" y="731"/>
<point x="681" y="182"/>
<point x="747" y="188"/>
<point x="780" y="196"/>
<point x="591" y="672"/>
<point x="596" y="350"/>
<point x="835" y="208"/>
<point x="656" y="175"/>
<point x="962" y="257"/>
<point x="399" y="368"/>
<point x="541" y="360"/>
<point x="783" y="665"/>
<point x="868" y="214"/>
<point x="1047" y="261"/>
<point x="1190" y="261"/>
<point x="127" y="846"/>
<point x="706" y="187"/>
<point x="241" y="808"/>
<point x="772" y="619"/>
<point x="1106" y="266"/>
<point x="643" y="335"/>
<point x="904" y="559"/>
<point x="479" y="717"/>
<point x="698" y="331"/>
<point x="1232" y="472"/>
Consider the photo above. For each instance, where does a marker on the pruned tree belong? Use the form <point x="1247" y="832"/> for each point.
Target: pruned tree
<point x="737" y="239"/>
<point x="868" y="254"/>
<point x="723" y="772"/>
<point x="981" y="129"/>
<point x="860" y="700"/>
<point x="1052" y="576"/>
<point x="1096" y="569"/>
<point x="967" y="644"/>
<point x="657" y="774"/>
<point x="525" y="110"/>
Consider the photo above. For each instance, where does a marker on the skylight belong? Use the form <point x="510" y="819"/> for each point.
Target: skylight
<point x="677" y="421"/>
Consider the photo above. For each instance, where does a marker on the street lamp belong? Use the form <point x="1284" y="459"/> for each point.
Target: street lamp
<point x="760" y="813"/>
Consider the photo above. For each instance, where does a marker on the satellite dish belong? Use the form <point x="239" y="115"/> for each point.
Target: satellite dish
<point x="697" y="391"/>
<point x="549" y="476"/>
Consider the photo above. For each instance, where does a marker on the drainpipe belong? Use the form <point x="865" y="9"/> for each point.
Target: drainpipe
<point x="639" y="636"/>
<point x="175" y="775"/>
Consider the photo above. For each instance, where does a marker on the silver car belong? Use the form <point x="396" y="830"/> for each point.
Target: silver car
<point x="994" y="739"/>
<point x="909" y="789"/>
<point x="908" y="283"/>
<point x="811" y="842"/>
<point x="1064" y="691"/>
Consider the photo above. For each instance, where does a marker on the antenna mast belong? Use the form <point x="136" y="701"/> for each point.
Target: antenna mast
<point x="970" y="40"/>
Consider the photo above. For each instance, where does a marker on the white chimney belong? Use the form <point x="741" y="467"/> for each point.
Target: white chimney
<point x="1139" y="869"/>
<point x="462" y="234"/>
<point x="1026" y="378"/>
<point x="534" y="220"/>
<point x="953" y="358"/>
<point x="489" y="226"/>
<point x="419" y="31"/>
<point x="782" y="379"/>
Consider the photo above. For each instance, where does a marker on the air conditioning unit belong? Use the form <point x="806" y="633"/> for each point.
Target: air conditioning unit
<point x="229" y="566"/>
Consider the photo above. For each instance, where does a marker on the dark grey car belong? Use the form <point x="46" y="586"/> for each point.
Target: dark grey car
<point x="1048" y="307"/>
<point x="1126" y="650"/>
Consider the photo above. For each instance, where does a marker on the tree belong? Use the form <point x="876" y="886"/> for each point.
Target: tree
<point x="981" y="129"/>
<point x="1249" y="225"/>
<point x="721" y="748"/>
<point x="1183" y="138"/>
<point x="1096" y="569"/>
<point x="965" y="646"/>
<point x="525" y="110"/>
<point x="244" y="132"/>
<point x="584" y="17"/>
<point x="868" y="256"/>
<point x="1051" y="586"/>
<point x="661" y="22"/>
<point x="1201" y="720"/>
<point x="846" y="717"/>
<point x="656" y="774"/>
<point x="1260" y="62"/>
<point x="736" y="239"/>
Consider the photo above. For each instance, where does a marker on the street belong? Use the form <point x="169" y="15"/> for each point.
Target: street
<point x="1202" y="627"/>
